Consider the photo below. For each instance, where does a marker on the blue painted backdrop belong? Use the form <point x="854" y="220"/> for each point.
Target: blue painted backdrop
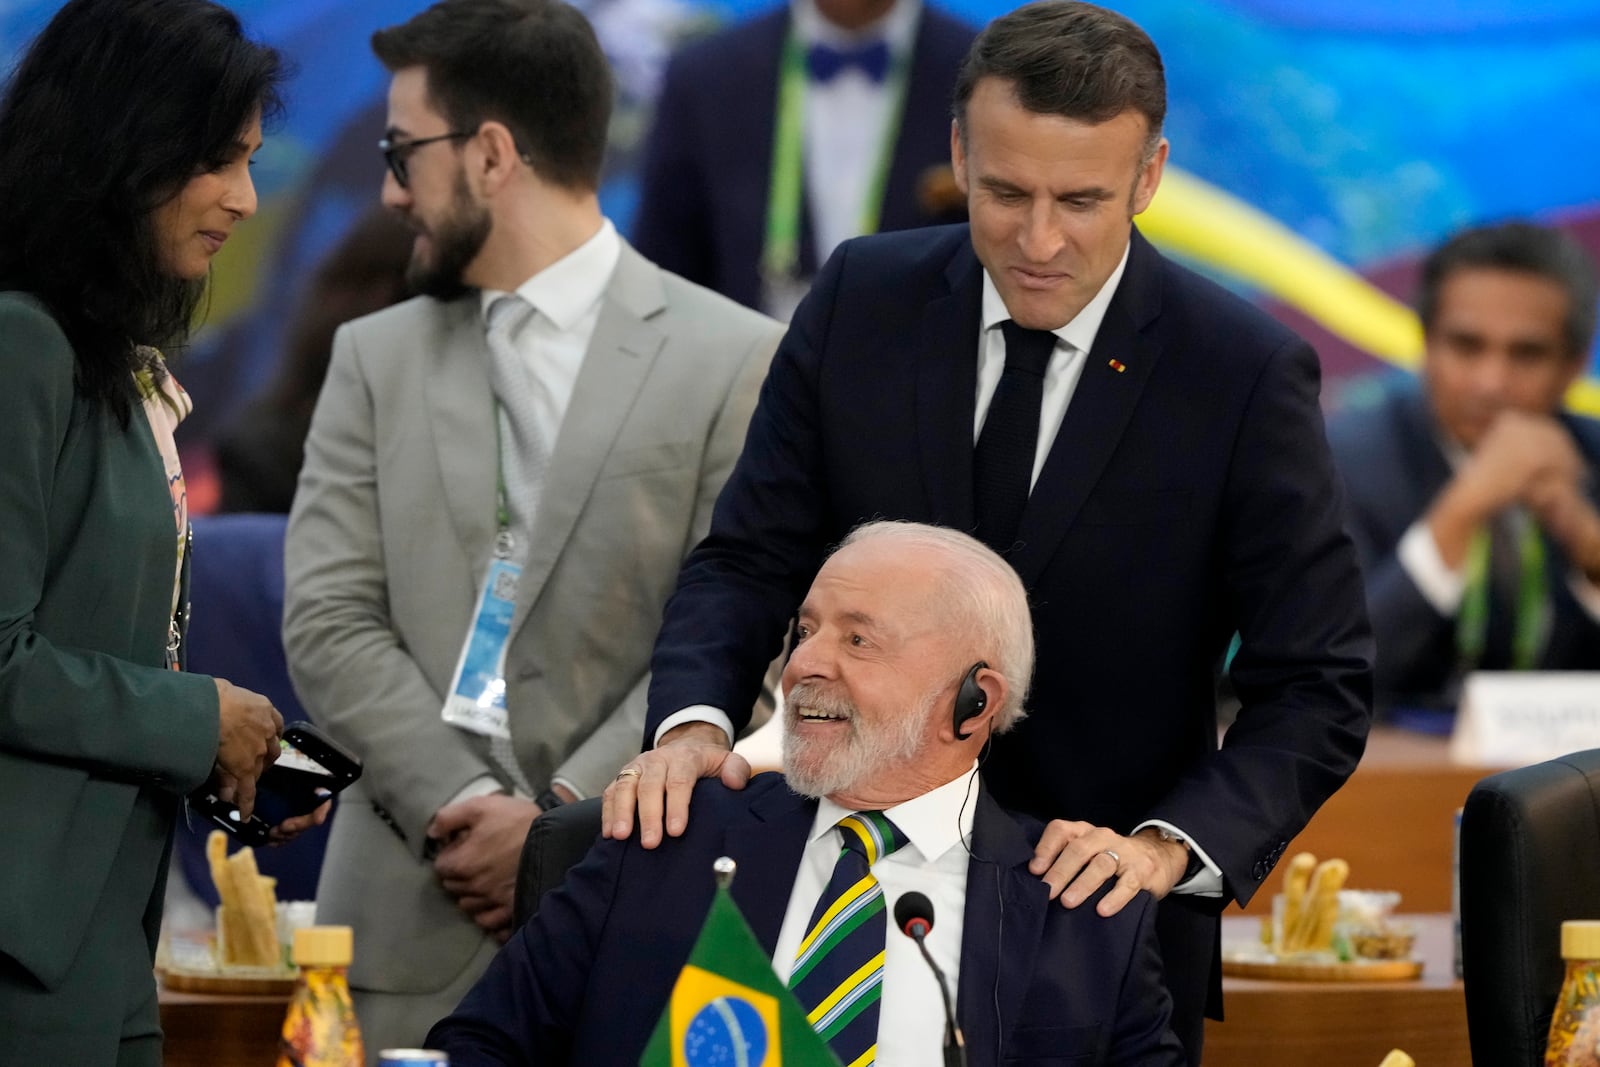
<point x="1370" y="127"/>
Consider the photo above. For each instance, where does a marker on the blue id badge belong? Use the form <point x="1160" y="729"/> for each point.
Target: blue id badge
<point x="477" y="699"/>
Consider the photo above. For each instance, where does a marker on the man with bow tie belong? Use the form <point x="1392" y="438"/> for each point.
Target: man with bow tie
<point x="781" y="137"/>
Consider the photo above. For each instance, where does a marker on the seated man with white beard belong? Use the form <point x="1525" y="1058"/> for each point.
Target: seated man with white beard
<point x="915" y="646"/>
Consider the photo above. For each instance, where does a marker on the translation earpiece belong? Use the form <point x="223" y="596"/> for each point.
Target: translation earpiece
<point x="970" y="699"/>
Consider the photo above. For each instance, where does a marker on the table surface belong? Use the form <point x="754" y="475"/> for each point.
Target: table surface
<point x="1344" y="1024"/>
<point x="1309" y="1024"/>
<point x="213" y="1030"/>
<point x="1393" y="822"/>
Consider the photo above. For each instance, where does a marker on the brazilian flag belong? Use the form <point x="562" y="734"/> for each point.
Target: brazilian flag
<point x="728" y="1007"/>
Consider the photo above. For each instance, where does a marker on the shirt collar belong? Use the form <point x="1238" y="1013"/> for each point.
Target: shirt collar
<point x="934" y="822"/>
<point x="568" y="289"/>
<point x="896" y="29"/>
<point x="1085" y="325"/>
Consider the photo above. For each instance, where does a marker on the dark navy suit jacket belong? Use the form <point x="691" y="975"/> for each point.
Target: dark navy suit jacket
<point x="1187" y="496"/>
<point x="1393" y="468"/>
<point x="707" y="165"/>
<point x="585" y="981"/>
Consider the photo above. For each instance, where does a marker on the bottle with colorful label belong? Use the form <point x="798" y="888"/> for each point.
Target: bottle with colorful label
<point x="320" y="1029"/>
<point x="1575" y="1027"/>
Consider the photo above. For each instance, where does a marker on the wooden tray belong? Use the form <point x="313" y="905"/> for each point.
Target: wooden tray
<point x="184" y="981"/>
<point x="1334" y="971"/>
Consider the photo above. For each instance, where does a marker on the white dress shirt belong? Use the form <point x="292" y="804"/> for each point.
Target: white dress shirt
<point x="847" y="120"/>
<point x="566" y="298"/>
<point x="1073" y="342"/>
<point x="933" y="862"/>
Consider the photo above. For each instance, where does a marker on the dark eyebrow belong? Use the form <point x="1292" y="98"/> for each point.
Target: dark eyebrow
<point x="998" y="185"/>
<point x="393" y="132"/>
<point x="1093" y="192"/>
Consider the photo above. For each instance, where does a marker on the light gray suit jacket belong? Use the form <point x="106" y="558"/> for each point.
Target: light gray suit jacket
<point x="392" y="529"/>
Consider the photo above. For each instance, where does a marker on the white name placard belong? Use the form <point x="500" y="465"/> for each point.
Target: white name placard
<point x="1514" y="718"/>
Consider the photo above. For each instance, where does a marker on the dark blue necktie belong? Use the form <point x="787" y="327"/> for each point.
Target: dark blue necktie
<point x="1002" y="463"/>
<point x="838" y="971"/>
<point x="824" y="62"/>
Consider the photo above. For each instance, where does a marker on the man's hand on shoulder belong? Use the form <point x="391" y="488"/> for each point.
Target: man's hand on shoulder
<point x="1076" y="858"/>
<point x="481" y="842"/>
<point x="656" y="785"/>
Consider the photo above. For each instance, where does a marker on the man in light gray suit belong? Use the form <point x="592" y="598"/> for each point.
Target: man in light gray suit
<point x="501" y="479"/>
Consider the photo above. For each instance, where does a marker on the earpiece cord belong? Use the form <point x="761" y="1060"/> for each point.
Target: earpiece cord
<point x="999" y="895"/>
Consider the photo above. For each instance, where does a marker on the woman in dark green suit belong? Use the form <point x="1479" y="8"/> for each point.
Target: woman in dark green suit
<point x="125" y="137"/>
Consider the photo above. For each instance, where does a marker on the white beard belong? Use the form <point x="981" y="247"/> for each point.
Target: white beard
<point x="817" y="768"/>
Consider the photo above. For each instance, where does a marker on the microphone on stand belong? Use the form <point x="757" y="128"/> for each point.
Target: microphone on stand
<point x="913" y="914"/>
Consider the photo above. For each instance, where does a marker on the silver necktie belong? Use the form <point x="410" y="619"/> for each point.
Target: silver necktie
<point x="523" y="458"/>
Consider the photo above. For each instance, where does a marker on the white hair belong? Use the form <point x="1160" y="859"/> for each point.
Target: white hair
<point x="986" y="600"/>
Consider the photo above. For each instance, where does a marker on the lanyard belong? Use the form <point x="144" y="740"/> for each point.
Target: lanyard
<point x="1472" y="625"/>
<point x="504" y="542"/>
<point x="780" y="257"/>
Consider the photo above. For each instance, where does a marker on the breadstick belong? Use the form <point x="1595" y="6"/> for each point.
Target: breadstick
<point x="1321" y="909"/>
<point x="248" y="914"/>
<point x="217" y="857"/>
<point x="1296" y="877"/>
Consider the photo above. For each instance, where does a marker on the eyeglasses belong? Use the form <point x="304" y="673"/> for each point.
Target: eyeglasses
<point x="398" y="153"/>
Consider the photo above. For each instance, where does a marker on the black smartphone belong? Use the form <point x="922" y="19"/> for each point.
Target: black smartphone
<point x="310" y="768"/>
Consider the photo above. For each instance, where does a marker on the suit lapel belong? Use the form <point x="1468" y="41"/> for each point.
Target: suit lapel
<point x="768" y="849"/>
<point x="1420" y="441"/>
<point x="947" y="389"/>
<point x="1097" y="415"/>
<point x="620" y="354"/>
<point x="460" y="411"/>
<point x="1001" y="896"/>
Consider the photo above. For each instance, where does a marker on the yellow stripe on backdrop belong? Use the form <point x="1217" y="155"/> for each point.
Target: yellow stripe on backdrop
<point x="1195" y="219"/>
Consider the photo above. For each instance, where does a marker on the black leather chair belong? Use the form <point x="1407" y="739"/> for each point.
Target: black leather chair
<point x="1530" y="859"/>
<point x="558" y="839"/>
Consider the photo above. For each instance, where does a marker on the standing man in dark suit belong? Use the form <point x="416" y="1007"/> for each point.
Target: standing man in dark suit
<point x="915" y="648"/>
<point x="779" y="138"/>
<point x="1181" y="491"/>
<point x="1471" y="499"/>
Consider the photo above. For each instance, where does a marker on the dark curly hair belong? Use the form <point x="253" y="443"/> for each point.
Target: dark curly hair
<point x="116" y="105"/>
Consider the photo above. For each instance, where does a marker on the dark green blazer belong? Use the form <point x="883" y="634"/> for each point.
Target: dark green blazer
<point x="88" y="714"/>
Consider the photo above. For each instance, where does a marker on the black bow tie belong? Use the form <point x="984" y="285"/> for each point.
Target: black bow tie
<point x="824" y="62"/>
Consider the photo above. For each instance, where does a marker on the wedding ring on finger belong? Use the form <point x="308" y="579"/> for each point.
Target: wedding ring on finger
<point x="1114" y="857"/>
<point x="628" y="772"/>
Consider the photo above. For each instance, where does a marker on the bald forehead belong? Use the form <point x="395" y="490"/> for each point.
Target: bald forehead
<point x="896" y="584"/>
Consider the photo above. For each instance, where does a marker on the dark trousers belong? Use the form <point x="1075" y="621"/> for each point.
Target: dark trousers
<point x="1187" y="930"/>
<point x="105" y="1012"/>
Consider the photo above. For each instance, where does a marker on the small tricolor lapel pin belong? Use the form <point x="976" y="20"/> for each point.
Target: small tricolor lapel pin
<point x="1118" y="366"/>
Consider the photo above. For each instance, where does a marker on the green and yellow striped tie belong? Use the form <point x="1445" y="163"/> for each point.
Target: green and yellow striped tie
<point x="838" y="972"/>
